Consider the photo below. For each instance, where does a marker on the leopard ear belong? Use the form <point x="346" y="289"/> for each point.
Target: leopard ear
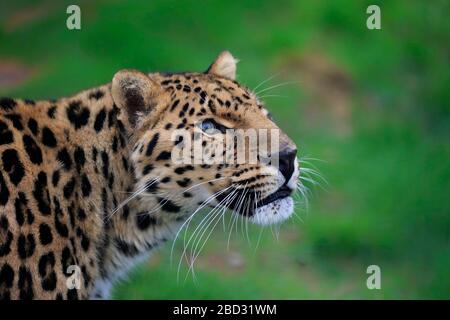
<point x="224" y="66"/>
<point x="133" y="91"/>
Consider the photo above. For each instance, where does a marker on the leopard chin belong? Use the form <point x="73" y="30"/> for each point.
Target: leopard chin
<point x="273" y="213"/>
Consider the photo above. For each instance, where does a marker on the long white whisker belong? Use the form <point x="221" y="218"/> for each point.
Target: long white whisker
<point x="217" y="215"/>
<point x="276" y="86"/>
<point x="238" y="209"/>
<point x="185" y="245"/>
<point x="213" y="215"/>
<point x="258" y="241"/>
<point x="223" y="203"/>
<point x="265" y="81"/>
<point x="134" y="195"/>
<point x="200" y="225"/>
<point x="272" y="96"/>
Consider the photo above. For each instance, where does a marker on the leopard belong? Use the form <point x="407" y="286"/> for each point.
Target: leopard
<point x="89" y="181"/>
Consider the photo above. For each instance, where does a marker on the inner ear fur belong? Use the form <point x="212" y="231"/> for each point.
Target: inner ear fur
<point x="133" y="91"/>
<point x="224" y="66"/>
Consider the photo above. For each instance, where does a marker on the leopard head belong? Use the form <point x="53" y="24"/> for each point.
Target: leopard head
<point x="183" y="149"/>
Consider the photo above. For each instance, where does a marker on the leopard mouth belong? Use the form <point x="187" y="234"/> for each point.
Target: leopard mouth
<point x="281" y="193"/>
<point x="245" y="203"/>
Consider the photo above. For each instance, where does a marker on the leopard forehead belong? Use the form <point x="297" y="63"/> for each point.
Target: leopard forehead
<point x="214" y="95"/>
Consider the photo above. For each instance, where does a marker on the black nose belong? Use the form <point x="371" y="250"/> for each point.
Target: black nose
<point x="287" y="162"/>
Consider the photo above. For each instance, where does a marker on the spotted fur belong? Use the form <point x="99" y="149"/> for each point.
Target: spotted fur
<point x="69" y="166"/>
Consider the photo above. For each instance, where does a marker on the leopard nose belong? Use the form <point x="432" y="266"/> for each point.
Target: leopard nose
<point x="287" y="162"/>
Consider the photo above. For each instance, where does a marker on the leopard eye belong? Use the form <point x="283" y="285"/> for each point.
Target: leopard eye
<point x="207" y="125"/>
<point x="210" y="124"/>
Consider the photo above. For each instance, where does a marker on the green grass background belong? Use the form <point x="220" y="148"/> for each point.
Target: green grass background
<point x="374" y="105"/>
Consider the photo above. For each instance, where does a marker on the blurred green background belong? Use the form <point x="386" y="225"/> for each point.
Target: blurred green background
<point x="372" y="104"/>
